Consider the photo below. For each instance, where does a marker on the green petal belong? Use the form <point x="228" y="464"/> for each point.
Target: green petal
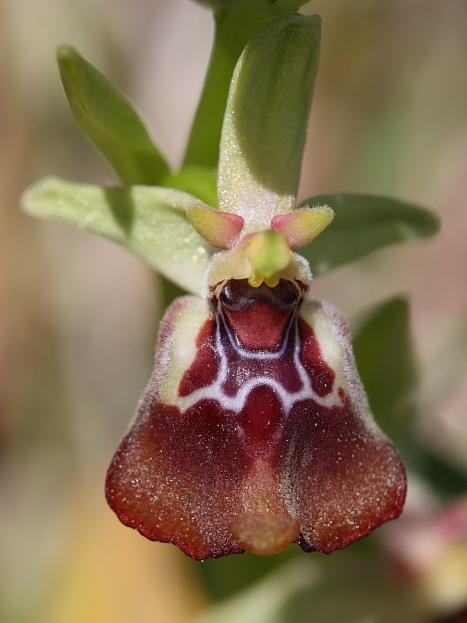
<point x="150" y="221"/>
<point x="362" y="224"/>
<point x="266" y="118"/>
<point x="385" y="360"/>
<point x="108" y="119"/>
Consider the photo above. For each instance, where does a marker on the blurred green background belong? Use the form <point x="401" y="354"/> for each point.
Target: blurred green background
<point x="78" y="315"/>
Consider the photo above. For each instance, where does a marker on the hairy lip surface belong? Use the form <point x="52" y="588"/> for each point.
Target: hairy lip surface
<point x="264" y="437"/>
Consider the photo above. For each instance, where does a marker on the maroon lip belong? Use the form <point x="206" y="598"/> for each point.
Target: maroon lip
<point x="257" y="461"/>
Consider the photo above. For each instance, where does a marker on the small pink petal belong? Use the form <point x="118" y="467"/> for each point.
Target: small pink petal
<point x="302" y="226"/>
<point x="221" y="229"/>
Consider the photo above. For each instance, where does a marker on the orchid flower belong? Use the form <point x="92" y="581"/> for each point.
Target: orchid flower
<point x="254" y="431"/>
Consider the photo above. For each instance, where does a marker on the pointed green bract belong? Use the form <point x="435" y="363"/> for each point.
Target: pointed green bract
<point x="150" y="221"/>
<point x="362" y="224"/>
<point x="266" y="118"/>
<point x="108" y="119"/>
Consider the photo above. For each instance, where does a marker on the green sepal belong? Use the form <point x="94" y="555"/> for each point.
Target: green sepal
<point x="108" y="119"/>
<point x="362" y="224"/>
<point x="265" y="120"/>
<point x="148" y="220"/>
<point x="237" y="21"/>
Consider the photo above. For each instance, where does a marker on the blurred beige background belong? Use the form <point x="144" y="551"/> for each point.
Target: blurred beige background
<point x="78" y="315"/>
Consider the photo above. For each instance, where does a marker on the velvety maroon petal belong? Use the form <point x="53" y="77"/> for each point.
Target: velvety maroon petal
<point x="178" y="479"/>
<point x="342" y="480"/>
<point x="176" y="476"/>
<point x="190" y="471"/>
<point x="342" y="476"/>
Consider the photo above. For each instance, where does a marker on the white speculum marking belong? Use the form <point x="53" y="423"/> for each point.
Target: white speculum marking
<point x="236" y="403"/>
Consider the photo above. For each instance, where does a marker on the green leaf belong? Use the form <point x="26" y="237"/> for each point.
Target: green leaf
<point x="221" y="578"/>
<point x="198" y="181"/>
<point x="387" y="366"/>
<point x="170" y="291"/>
<point x="150" y="221"/>
<point x="273" y="5"/>
<point x="446" y="476"/>
<point x="362" y="224"/>
<point x="237" y="21"/>
<point x="264" y="601"/>
<point x="343" y="588"/>
<point x="386" y="363"/>
<point x="354" y="589"/>
<point x="108" y="119"/>
<point x="266" y="118"/>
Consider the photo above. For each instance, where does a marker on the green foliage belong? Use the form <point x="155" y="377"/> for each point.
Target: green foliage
<point x="267" y="114"/>
<point x="198" y="181"/>
<point x="346" y="588"/>
<point x="149" y="220"/>
<point x="447" y="477"/>
<point x="272" y="7"/>
<point x="108" y="119"/>
<point x="385" y="361"/>
<point x="262" y="143"/>
<point x="224" y="577"/>
<point x="362" y="224"/>
<point x="237" y="21"/>
<point x="388" y="369"/>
